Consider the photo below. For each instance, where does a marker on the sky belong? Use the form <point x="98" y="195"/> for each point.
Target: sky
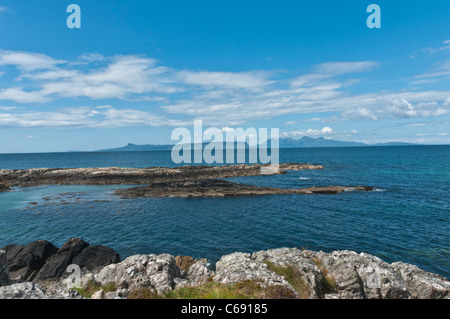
<point x="136" y="70"/>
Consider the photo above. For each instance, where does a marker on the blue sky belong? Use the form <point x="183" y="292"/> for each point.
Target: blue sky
<point x="138" y="69"/>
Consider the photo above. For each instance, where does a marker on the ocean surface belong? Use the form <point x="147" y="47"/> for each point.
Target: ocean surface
<point x="407" y="217"/>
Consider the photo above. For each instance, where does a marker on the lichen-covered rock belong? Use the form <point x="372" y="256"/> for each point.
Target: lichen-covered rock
<point x="363" y="275"/>
<point x="239" y="267"/>
<point x="26" y="290"/>
<point x="294" y="257"/>
<point x="422" y="284"/>
<point x="199" y="273"/>
<point x="305" y="274"/>
<point x="98" y="294"/>
<point x="141" y="271"/>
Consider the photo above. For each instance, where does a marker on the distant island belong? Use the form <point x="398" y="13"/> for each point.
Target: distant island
<point x="305" y="142"/>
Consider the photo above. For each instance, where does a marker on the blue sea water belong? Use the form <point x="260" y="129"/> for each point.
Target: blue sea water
<point x="406" y="219"/>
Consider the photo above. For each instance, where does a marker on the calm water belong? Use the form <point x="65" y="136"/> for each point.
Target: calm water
<point x="406" y="219"/>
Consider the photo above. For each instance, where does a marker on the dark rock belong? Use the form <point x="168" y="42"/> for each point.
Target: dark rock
<point x="4" y="188"/>
<point x="24" y="262"/>
<point x="4" y="273"/>
<point x="57" y="264"/>
<point x="221" y="188"/>
<point x="94" y="257"/>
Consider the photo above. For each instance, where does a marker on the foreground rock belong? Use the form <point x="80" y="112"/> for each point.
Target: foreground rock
<point x="4" y="188"/>
<point x="132" y="176"/>
<point x="41" y="261"/>
<point x="24" y="262"/>
<point x="303" y="273"/>
<point x="221" y="188"/>
<point x="4" y="272"/>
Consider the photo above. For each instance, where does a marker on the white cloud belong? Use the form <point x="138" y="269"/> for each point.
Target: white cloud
<point x="92" y="57"/>
<point x="244" y="80"/>
<point x="337" y="68"/>
<point x="123" y="77"/>
<point x="444" y="48"/>
<point x="102" y="116"/>
<point x="218" y="98"/>
<point x="332" y="69"/>
<point x="416" y="124"/>
<point x="27" y="61"/>
<point x="401" y="105"/>
<point x="326" y="132"/>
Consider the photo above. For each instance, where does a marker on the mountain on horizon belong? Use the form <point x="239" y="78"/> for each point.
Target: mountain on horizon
<point x="304" y="142"/>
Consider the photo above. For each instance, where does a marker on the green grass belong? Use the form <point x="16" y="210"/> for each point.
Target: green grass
<point x="329" y="284"/>
<point x="293" y="276"/>
<point x="93" y="287"/>
<point x="144" y="293"/>
<point x="247" y="289"/>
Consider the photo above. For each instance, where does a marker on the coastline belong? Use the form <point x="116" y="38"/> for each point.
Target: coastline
<point x="185" y="181"/>
<point x="284" y="273"/>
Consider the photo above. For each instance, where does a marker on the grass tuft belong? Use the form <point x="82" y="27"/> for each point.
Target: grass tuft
<point x="293" y="276"/>
<point x="248" y="289"/>
<point x="329" y="284"/>
<point x="92" y="287"/>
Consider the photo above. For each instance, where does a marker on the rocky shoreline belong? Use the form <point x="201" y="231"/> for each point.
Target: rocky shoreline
<point x="185" y="181"/>
<point x="132" y="176"/>
<point x="221" y="188"/>
<point x="38" y="271"/>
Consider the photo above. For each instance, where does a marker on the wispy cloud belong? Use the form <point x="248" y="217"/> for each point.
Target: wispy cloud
<point x="326" y="132"/>
<point x="218" y="98"/>
<point x="27" y="61"/>
<point x="332" y="69"/>
<point x="101" y="116"/>
<point x="244" y="80"/>
<point x="444" y="48"/>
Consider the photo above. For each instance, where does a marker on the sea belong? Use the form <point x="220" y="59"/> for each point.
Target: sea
<point x="406" y="218"/>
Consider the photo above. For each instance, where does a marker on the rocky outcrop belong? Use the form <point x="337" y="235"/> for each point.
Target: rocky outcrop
<point x="133" y="176"/>
<point x="4" y="188"/>
<point x="26" y="290"/>
<point x="93" y="257"/>
<point x="158" y="272"/>
<point x="239" y="267"/>
<point x="57" y="264"/>
<point x="422" y="284"/>
<point x="361" y="276"/>
<point x="184" y="262"/>
<point x="185" y="181"/>
<point x="42" y="261"/>
<point x="221" y="188"/>
<point x="4" y="272"/>
<point x="25" y="261"/>
<point x="199" y="273"/>
<point x="305" y="274"/>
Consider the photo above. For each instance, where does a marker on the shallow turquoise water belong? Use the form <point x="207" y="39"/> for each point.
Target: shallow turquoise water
<point x="406" y="219"/>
